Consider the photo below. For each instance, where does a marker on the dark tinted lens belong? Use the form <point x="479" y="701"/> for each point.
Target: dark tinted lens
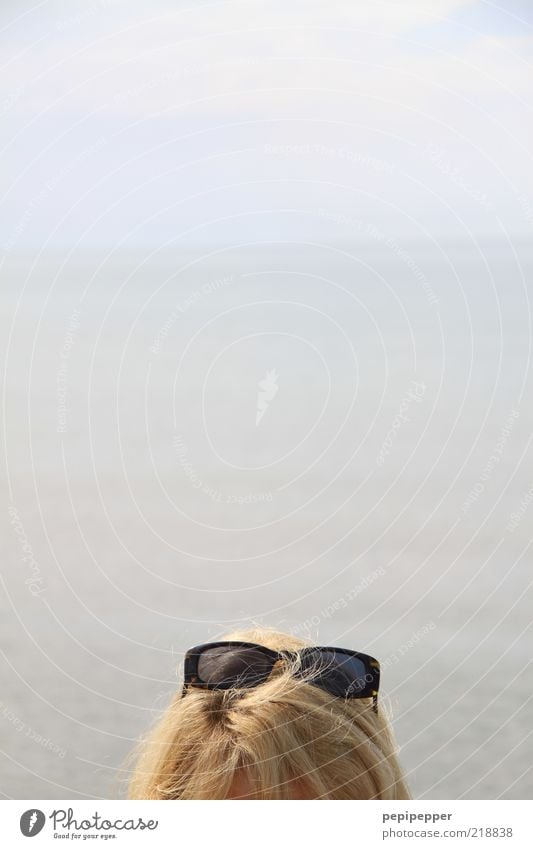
<point x="224" y="666"/>
<point x="340" y="674"/>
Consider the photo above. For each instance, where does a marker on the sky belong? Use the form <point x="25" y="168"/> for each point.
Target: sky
<point x="133" y="124"/>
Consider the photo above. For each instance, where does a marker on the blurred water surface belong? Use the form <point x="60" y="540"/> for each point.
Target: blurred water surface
<point x="370" y="504"/>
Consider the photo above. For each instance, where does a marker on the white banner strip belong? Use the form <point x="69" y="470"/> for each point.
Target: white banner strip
<point x="252" y="824"/>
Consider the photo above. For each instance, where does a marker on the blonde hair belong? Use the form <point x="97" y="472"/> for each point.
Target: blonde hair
<point x="287" y="738"/>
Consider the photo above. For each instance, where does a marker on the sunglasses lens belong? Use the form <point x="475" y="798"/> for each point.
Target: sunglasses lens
<point x="340" y="674"/>
<point x="224" y="666"/>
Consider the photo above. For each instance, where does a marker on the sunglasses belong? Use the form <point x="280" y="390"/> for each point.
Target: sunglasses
<point x="230" y="665"/>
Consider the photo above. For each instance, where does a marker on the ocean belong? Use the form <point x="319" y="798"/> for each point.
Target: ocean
<point x="331" y="441"/>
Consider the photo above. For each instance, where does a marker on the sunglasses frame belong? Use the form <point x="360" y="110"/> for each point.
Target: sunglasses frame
<point x="192" y="657"/>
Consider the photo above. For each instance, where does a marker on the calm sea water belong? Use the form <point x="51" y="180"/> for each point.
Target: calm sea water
<point x="336" y="443"/>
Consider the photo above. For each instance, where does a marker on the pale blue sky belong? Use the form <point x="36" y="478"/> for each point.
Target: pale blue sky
<point x="242" y="121"/>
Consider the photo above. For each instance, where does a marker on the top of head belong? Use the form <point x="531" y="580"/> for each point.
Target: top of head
<point x="282" y="739"/>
